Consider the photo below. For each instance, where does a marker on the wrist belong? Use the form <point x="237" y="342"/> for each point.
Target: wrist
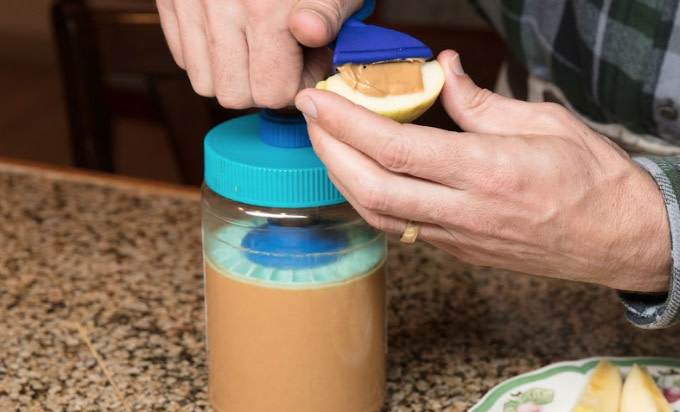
<point x="644" y="238"/>
<point x="650" y="237"/>
<point x="653" y="311"/>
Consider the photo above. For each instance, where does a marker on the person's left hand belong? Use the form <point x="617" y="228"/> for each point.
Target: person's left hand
<point x="527" y="187"/>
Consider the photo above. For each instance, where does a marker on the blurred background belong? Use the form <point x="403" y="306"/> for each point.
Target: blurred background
<point x="91" y="84"/>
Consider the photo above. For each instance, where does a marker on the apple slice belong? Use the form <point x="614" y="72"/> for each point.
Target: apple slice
<point x="640" y="393"/>
<point x="603" y="390"/>
<point x="403" y="108"/>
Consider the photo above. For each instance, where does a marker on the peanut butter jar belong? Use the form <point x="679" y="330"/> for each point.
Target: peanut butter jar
<point x="294" y="278"/>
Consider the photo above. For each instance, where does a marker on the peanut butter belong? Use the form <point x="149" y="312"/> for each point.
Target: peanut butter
<point x="385" y="78"/>
<point x="320" y="349"/>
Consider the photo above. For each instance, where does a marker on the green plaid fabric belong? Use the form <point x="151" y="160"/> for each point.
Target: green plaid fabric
<point x="616" y="61"/>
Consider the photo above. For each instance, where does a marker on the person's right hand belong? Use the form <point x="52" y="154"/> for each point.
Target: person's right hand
<point x="253" y="52"/>
<point x="527" y="187"/>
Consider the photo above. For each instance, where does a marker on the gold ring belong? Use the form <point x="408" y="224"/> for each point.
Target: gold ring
<point x="411" y="232"/>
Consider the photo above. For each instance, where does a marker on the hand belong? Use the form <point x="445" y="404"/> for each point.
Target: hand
<point x="527" y="187"/>
<point x="253" y="52"/>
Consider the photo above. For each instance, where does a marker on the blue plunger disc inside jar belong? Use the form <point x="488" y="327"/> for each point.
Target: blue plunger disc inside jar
<point x="293" y="247"/>
<point x="362" y="252"/>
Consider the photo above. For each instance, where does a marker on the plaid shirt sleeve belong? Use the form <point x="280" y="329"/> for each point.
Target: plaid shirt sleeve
<point x="617" y="62"/>
<point x="652" y="311"/>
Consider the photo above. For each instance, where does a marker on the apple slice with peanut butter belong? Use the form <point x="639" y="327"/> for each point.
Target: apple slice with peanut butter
<point x="401" y="90"/>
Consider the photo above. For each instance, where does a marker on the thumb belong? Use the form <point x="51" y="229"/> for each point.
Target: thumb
<point x="479" y="110"/>
<point x="315" y="23"/>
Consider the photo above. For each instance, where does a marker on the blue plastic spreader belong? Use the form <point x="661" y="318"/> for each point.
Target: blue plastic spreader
<point x="363" y="43"/>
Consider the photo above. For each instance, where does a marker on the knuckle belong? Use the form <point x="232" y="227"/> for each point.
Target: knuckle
<point x="271" y="102"/>
<point x="553" y="114"/>
<point x="370" y="194"/>
<point x="258" y="10"/>
<point x="177" y="55"/>
<point x="319" y="146"/>
<point x="274" y="98"/>
<point x="480" y="101"/>
<point x="489" y="228"/>
<point x="234" y="100"/>
<point x="484" y="228"/>
<point x="332" y="10"/>
<point x="200" y="78"/>
<point x="396" y="155"/>
<point x="502" y="177"/>
<point x="202" y="88"/>
<point x="379" y="222"/>
<point x="554" y="109"/>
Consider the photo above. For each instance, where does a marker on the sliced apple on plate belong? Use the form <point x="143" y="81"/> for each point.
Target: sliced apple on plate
<point x="603" y="390"/>
<point x="641" y="394"/>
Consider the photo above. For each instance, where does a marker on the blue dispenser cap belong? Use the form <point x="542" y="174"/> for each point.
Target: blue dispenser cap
<point x="266" y="160"/>
<point x="283" y="130"/>
<point x="362" y="43"/>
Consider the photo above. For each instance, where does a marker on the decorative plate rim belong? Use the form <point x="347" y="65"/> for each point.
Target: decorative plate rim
<point x="582" y="366"/>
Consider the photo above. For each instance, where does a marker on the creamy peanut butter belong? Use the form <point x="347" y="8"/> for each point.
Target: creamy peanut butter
<point x="384" y="78"/>
<point x="320" y="349"/>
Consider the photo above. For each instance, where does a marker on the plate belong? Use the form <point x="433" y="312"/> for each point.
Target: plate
<point x="557" y="387"/>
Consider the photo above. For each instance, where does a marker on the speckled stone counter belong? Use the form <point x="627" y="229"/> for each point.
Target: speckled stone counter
<point x="101" y="307"/>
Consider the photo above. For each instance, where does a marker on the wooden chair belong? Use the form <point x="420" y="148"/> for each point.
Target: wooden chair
<point x="103" y="45"/>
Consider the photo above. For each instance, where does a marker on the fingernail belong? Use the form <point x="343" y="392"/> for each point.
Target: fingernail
<point x="307" y="107"/>
<point x="456" y="66"/>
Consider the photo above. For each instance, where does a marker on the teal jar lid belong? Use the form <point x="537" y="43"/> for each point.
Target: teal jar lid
<point x="266" y="160"/>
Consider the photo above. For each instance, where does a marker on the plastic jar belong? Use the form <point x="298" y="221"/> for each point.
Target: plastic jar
<point x="294" y="278"/>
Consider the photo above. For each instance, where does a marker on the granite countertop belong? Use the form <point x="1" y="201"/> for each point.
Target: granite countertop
<point x="101" y="307"/>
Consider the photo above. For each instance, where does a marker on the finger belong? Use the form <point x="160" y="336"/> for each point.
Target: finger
<point x="276" y="65"/>
<point x="430" y="232"/>
<point x="454" y="159"/>
<point x="315" y="23"/>
<point x="479" y="110"/>
<point x="170" y="27"/>
<point x="192" y="28"/>
<point x="391" y="224"/>
<point x="378" y="190"/>
<point x="383" y="222"/>
<point x="228" y="55"/>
